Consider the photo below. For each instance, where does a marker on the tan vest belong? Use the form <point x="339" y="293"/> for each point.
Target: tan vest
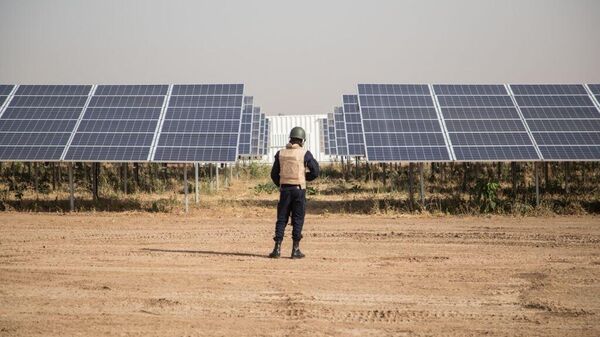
<point x="291" y="164"/>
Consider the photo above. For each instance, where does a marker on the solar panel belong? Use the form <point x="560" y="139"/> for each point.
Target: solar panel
<point x="595" y="90"/>
<point x="325" y="133"/>
<point x="118" y="124"/>
<point x="266" y="138"/>
<point x="332" y="134"/>
<point x="261" y="135"/>
<point x="201" y="124"/>
<point x="246" y="128"/>
<point x="483" y="123"/>
<point x="563" y="119"/>
<point x="38" y="120"/>
<point x="5" y="90"/>
<point x="255" y="131"/>
<point x="400" y="123"/>
<point x="353" y="122"/>
<point x="340" y="131"/>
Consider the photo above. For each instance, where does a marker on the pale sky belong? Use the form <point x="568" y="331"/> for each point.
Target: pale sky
<point x="299" y="57"/>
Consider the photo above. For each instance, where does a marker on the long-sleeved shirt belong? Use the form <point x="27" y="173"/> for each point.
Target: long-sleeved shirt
<point x="309" y="162"/>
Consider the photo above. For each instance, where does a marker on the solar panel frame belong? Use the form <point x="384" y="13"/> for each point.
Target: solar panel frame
<point x="475" y="130"/>
<point x="355" y="137"/>
<point x="571" y="132"/>
<point x="399" y="106"/>
<point x="218" y="96"/>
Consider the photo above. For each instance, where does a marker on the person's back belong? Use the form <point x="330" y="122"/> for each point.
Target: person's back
<point x="289" y="172"/>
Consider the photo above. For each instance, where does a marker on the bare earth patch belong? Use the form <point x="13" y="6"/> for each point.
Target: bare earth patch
<point x="206" y="274"/>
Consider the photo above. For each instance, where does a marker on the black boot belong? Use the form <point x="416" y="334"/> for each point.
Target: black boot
<point x="276" y="250"/>
<point x="296" y="253"/>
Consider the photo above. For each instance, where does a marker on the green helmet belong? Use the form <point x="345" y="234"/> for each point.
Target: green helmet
<point x="298" y="132"/>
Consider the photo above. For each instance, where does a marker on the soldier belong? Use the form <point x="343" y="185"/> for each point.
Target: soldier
<point x="289" y="172"/>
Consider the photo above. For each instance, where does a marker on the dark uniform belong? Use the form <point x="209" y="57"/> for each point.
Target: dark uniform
<point x="290" y="173"/>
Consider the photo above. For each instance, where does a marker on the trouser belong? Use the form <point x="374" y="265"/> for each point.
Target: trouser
<point x="292" y="201"/>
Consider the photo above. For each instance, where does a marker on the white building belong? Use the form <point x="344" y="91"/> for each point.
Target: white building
<point x="280" y="127"/>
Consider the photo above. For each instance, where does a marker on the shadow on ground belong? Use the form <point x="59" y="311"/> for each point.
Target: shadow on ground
<point x="203" y="252"/>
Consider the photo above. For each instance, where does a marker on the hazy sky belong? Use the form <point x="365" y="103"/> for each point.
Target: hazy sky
<point x="299" y="56"/>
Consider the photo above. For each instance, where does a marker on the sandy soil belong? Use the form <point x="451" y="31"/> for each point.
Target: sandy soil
<point x="207" y="275"/>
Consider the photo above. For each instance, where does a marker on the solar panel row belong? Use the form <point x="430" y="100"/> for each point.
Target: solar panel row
<point x="353" y="124"/>
<point x="477" y="122"/>
<point x="165" y="123"/>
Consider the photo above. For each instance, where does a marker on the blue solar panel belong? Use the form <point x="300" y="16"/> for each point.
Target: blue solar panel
<point x="554" y="101"/>
<point x="107" y="153"/>
<point x="6" y="89"/>
<point x="340" y="131"/>
<point x="594" y="88"/>
<point x="38" y="121"/>
<point x="331" y="134"/>
<point x="483" y="123"/>
<point x="118" y="124"/>
<point x="255" y="131"/>
<point x="53" y="90"/>
<point x="208" y="89"/>
<point x="325" y="134"/>
<point x="470" y="89"/>
<point x="398" y="113"/>
<point x="244" y="148"/>
<point x="192" y="154"/>
<point x="559" y="113"/>
<point x="261" y="134"/>
<point x="475" y="101"/>
<point x="211" y="128"/>
<point x="353" y="124"/>
<point x="265" y="145"/>
<point x="48" y="101"/>
<point x="401" y="123"/>
<point x="394" y="89"/>
<point x="563" y="120"/>
<point x="205" y="101"/>
<point x="127" y="101"/>
<point x="548" y="89"/>
<point x="131" y="90"/>
<point x="112" y="139"/>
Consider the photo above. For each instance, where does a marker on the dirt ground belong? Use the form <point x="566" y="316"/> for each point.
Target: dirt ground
<point x="142" y="274"/>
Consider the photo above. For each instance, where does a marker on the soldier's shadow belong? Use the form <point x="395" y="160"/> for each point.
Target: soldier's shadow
<point x="203" y="252"/>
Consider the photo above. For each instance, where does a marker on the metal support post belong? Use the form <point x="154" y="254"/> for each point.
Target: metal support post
<point x="422" y="183"/>
<point x="217" y="176"/>
<point x="125" y="177"/>
<point x="197" y="185"/>
<point x="71" y="188"/>
<point x="537" y="184"/>
<point x="185" y="187"/>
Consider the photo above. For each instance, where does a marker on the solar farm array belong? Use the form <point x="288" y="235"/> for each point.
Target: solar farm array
<point x="130" y="123"/>
<point x="439" y="123"/>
